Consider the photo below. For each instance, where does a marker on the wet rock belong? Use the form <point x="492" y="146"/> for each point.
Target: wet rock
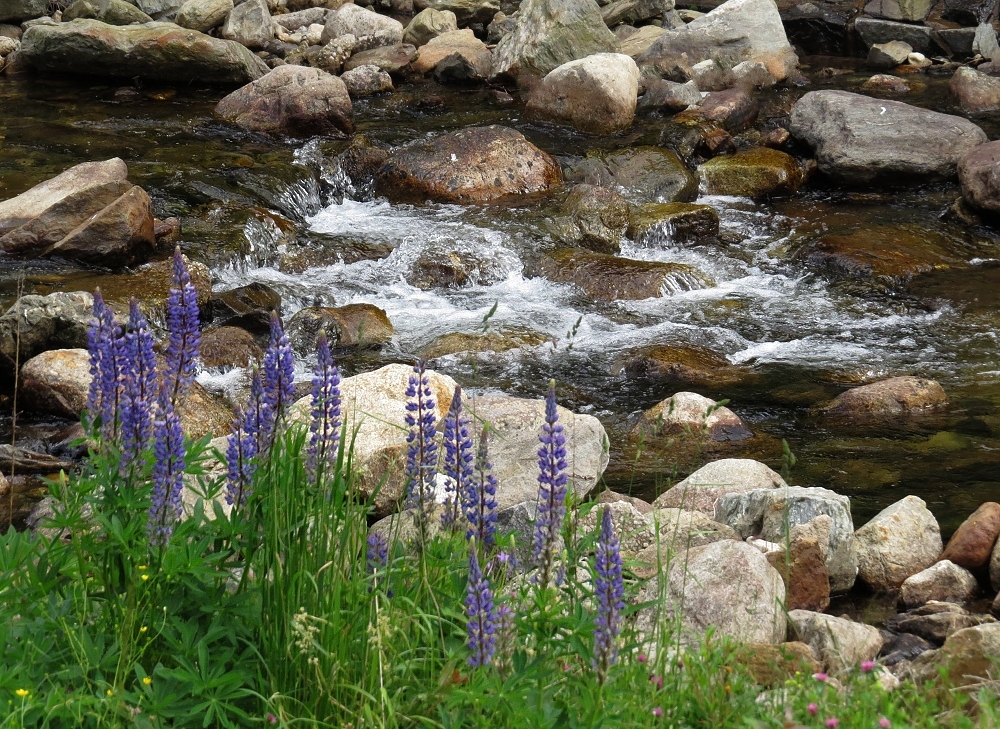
<point x="638" y="43"/>
<point x="686" y="412"/>
<point x="702" y="490"/>
<point x="734" y="109"/>
<point x="972" y="543"/>
<point x="901" y="647"/>
<point x="427" y="24"/>
<point x="40" y="323"/>
<point x="550" y="33"/>
<point x="672" y="222"/>
<point x="900" y="541"/>
<point x="335" y="53"/>
<point x="354" y="325"/>
<point x="967" y="656"/>
<point x="838" y="643"/>
<point x="855" y="141"/>
<point x="248" y="307"/>
<point x="596" y="94"/>
<point x="727" y="586"/>
<point x="291" y="100"/>
<point x="888" y="398"/>
<point x="698" y="369"/>
<point x="736" y="31"/>
<point x="228" y="347"/>
<point x="758" y="172"/>
<point x="20" y="10"/>
<point x="750" y="75"/>
<point x="882" y="83"/>
<point x="203" y="15"/>
<point x="985" y="42"/>
<point x="639" y="174"/>
<point x="944" y="582"/>
<point x="935" y="621"/>
<point x="153" y="51"/>
<point x="112" y="12"/>
<point x="911" y="11"/>
<point x="772" y="665"/>
<point x="669" y="96"/>
<point x="888" y="55"/>
<point x="56" y="382"/>
<point x="461" y="42"/>
<point x="610" y="278"/>
<point x="803" y="569"/>
<point x="594" y="218"/>
<point x="302" y="18"/>
<point x="366" y="80"/>
<point x="978" y="172"/>
<point x="351" y="19"/>
<point x="466" y="12"/>
<point x="875" y="30"/>
<point x="150" y="284"/>
<point x="473" y="165"/>
<point x="969" y="12"/>
<point x="976" y="92"/>
<point x="679" y="530"/>
<point x="459" y="342"/>
<point x="249" y="24"/>
<point x="633" y="528"/>
<point x="392" y="59"/>
<point x="634" y="12"/>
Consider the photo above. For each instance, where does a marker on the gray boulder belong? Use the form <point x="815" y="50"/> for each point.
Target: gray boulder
<point x="888" y="55"/>
<point x="911" y="11"/>
<point x="112" y="12"/>
<point x="40" y="323"/>
<point x="18" y="11"/>
<point x="670" y="96"/>
<point x="944" y="581"/>
<point x="203" y="15"/>
<point x="859" y="140"/>
<point x="900" y="541"/>
<point x="985" y="42"/>
<point x="839" y="644"/>
<point x="702" y="490"/>
<point x="429" y="23"/>
<point x="936" y="621"/>
<point x="876" y="30"/>
<point x="677" y="531"/>
<point x="977" y="93"/>
<point x="979" y="173"/>
<point x="366" y="80"/>
<point x="249" y="24"/>
<point x="466" y="11"/>
<point x="351" y="19"/>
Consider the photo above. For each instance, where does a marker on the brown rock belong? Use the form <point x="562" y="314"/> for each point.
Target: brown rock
<point x="57" y="382"/>
<point x="151" y="284"/>
<point x="979" y="173"/>
<point x="698" y="369"/>
<point x="883" y="83"/>
<point x="803" y="569"/>
<point x="687" y="412"/>
<point x="673" y="222"/>
<point x="758" y="172"/>
<point x="492" y="341"/>
<point x="227" y="347"/>
<point x="463" y="42"/>
<point x="735" y="109"/>
<point x="895" y="396"/>
<point x="771" y="665"/>
<point x="972" y="543"/>
<point x="976" y="92"/>
<point x="595" y="218"/>
<point x="354" y="325"/>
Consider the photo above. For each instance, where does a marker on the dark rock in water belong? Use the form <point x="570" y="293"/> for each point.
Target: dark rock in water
<point x="150" y="284"/>
<point x="957" y="41"/>
<point x="672" y="222"/>
<point x="248" y="307"/>
<point x="935" y="621"/>
<point x="473" y="165"/>
<point x="446" y="267"/>
<point x="594" y="218"/>
<point x="609" y="278"/>
<point x="21" y="10"/>
<point x="874" y="30"/>
<point x="977" y="93"/>
<point x="228" y="347"/>
<point x="39" y="323"/>
<point x="154" y="51"/>
<point x="291" y="100"/>
<point x="861" y="140"/>
<point x="639" y="174"/>
<point x="112" y="12"/>
<point x="501" y="341"/>
<point x="354" y="325"/>
<point x="756" y="173"/>
<point x="893" y="397"/>
<point x="670" y="96"/>
<point x="901" y="647"/>
<point x="819" y="32"/>
<point x="698" y="369"/>
<point x="970" y="12"/>
<point x="391" y="59"/>
<point x="979" y="173"/>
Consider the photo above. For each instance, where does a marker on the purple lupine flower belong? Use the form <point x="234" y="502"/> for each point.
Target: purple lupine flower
<point x="139" y="391"/>
<point x="551" y="488"/>
<point x="457" y="459"/>
<point x="421" y="456"/>
<point x="98" y="344"/>
<point x="255" y="414"/>
<point x="168" y="472"/>
<point x="325" y="425"/>
<point x="506" y="634"/>
<point x="182" y="322"/>
<point x="109" y="365"/>
<point x="377" y="558"/>
<point x="479" y="498"/>
<point x="278" y="379"/>
<point x="610" y="592"/>
<point x="482" y="618"/>
<point x="240" y="452"/>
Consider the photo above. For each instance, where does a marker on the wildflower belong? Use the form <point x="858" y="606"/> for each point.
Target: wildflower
<point x="457" y="458"/>
<point x="481" y="615"/>
<point x="506" y="632"/>
<point x="832" y="723"/>
<point x="821" y="677"/>
<point x="422" y="451"/>
<point x="106" y="344"/>
<point x="182" y="322"/>
<point x="240" y="451"/>
<point x="168" y="473"/>
<point x="144" y="578"/>
<point x="867" y="666"/>
<point x="146" y="680"/>
<point x="657" y="682"/>
<point x="278" y="381"/>
<point x="142" y="568"/>
<point x="479" y="500"/>
<point x="143" y="629"/>
<point x="642" y="658"/>
<point x="271" y="718"/>
<point x="884" y="723"/>
<point x="377" y="555"/>
<point x="657" y="712"/>
<point x="110" y="692"/>
<point x="610" y="592"/>
<point x="551" y="488"/>
<point x="138" y="390"/>
<point x="21" y="693"/>
<point x="813" y="709"/>
<point x="325" y="425"/>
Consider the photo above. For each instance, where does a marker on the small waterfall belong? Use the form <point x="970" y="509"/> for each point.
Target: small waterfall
<point x="684" y="278"/>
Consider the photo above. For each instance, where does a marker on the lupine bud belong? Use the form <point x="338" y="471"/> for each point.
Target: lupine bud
<point x="325" y="425"/>
<point x="457" y="458"/>
<point x="610" y="592"/>
<point x="182" y="321"/>
<point x="278" y="380"/>
<point x="481" y="627"/>
<point x="551" y="488"/>
<point x="109" y="365"/>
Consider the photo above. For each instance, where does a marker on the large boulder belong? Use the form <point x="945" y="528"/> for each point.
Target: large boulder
<point x="735" y="31"/>
<point x="20" y="10"/>
<point x="688" y="412"/>
<point x="462" y="43"/>
<point x="838" y="643"/>
<point x="756" y="173"/>
<point x="249" y="24"/>
<point x="967" y="657"/>
<point x="351" y="19"/>
<point x="979" y="173"/>
<point x="550" y="33"/>
<point x="900" y="541"/>
<point x="972" y="543"/>
<point x="427" y="24"/>
<point x="888" y="398"/>
<point x="154" y="51"/>
<point x="466" y="12"/>
<point x="727" y="586"/>
<point x="292" y="100"/>
<point x="944" y="581"/>
<point x="859" y="140"/>
<point x="34" y="324"/>
<point x="911" y="11"/>
<point x="639" y="174"/>
<point x="203" y="15"/>
<point x="593" y="217"/>
<point x="473" y="165"/>
<point x="112" y="12"/>
<point x="702" y="489"/>
<point x="977" y="93"/>
<point x="596" y="94"/>
<point x="935" y="621"/>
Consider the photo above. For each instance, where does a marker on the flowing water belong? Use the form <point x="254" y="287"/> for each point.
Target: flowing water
<point x="280" y="212"/>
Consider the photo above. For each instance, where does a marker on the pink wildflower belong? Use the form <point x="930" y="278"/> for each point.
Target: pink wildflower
<point x="657" y="711"/>
<point x="813" y="709"/>
<point x="884" y="723"/>
<point x="820" y="676"/>
<point x="832" y="723"/>
<point x="642" y="658"/>
<point x="657" y="681"/>
<point x="867" y="666"/>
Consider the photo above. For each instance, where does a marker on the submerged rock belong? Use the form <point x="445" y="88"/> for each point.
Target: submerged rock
<point x="889" y="255"/>
<point x="698" y="369"/>
<point x="972" y="543"/>
<point x="840" y="644"/>
<point x="900" y="541"/>
<point x="888" y="398"/>
<point x="944" y="581"/>
<point x="248" y="307"/>
<point x="756" y="173"/>
<point x="702" y="490"/>
<point x="979" y="173"/>
<point x="354" y="325"/>
<point x="977" y="93"/>
<point x="672" y="222"/>
<point x="594" y="217"/>
<point x="639" y="174"/>
<point x="689" y="412"/>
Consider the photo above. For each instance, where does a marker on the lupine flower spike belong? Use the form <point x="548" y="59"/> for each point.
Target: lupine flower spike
<point x="240" y="452"/>
<point x="482" y="617"/>
<point x="457" y="458"/>
<point x="168" y="472"/>
<point x="421" y="456"/>
<point x="551" y="489"/>
<point x="479" y="499"/>
<point x="108" y="367"/>
<point x="325" y="425"/>
<point x="278" y="380"/>
<point x="182" y="321"/>
<point x="139" y="390"/>
<point x="610" y="593"/>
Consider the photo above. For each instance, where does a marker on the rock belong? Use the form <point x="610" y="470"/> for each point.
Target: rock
<point x="891" y="255"/>
<point x="735" y="31"/>
<point x="56" y="382"/>
<point x="302" y="18"/>
<point x="354" y="325"/>
<point x="493" y="341"/>
<point x="901" y="647"/>
<point x="882" y="83"/>
<point x="976" y="92"/>
<point x="669" y="96"/>
<point x="21" y="10"/>
<point x="392" y="59"/>
<point x="681" y="366"/>
<point x="596" y="94"/>
<point x="639" y="174"/>
<point x="874" y="30"/>
<point x="637" y="44"/>
<point x="154" y="51"/>
<point x="772" y="665"/>
<point x="900" y="541"/>
<point x="888" y="55"/>
<point x="227" y="347"/>
<point x="936" y="621"/>
<point x="985" y="42"/>
<point x="427" y="24"/>
<point x="750" y="75"/>
<point x="665" y="223"/>
<point x="966" y="657"/>
<point x="203" y="15"/>
<point x="633" y="528"/>
<point x="995" y="567"/>
<point x="249" y="24"/>
<point x="610" y="278"/>
<point x="8" y="46"/>
<point x="453" y="267"/>
<point x="550" y="33"/>
<point x="40" y="323"/>
<point x="472" y="165"/>
<point x="112" y="12"/>
<point x="838" y="643"/>
<point x="758" y="172"/>
<point x="726" y="586"/>
<point x="248" y="307"/>
<point x="803" y="569"/>
<point x="678" y="531"/>
<point x="972" y="543"/>
<point x="634" y="12"/>
<point x="888" y="398"/>
<point x="855" y="141"/>
<point x="944" y="582"/>
<point x="462" y="42"/>
<point x="978" y="172"/>
<point x="734" y="109"/>
<point x="702" y="489"/>
<point x="969" y="12"/>
<point x="912" y="11"/>
<point x="335" y="53"/>
<point x="711" y="75"/>
<point x="956" y="41"/>
<point x="771" y="512"/>
<point x="612" y="497"/>
<point x="594" y="218"/>
<point x="366" y="80"/>
<point x="688" y="412"/>
<point x="351" y="19"/>
<point x="467" y="12"/>
<point x="291" y="100"/>
<point x="150" y="284"/>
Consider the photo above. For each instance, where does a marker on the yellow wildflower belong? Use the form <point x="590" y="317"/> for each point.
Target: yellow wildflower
<point x="147" y="680"/>
<point x="22" y="693"/>
<point x="143" y="629"/>
<point x="143" y="577"/>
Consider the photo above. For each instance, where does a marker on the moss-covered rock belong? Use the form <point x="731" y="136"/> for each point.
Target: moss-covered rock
<point x="354" y="325"/>
<point x="675" y="222"/>
<point x="499" y="341"/>
<point x="757" y="173"/>
<point x="689" y="366"/>
<point x="640" y="174"/>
